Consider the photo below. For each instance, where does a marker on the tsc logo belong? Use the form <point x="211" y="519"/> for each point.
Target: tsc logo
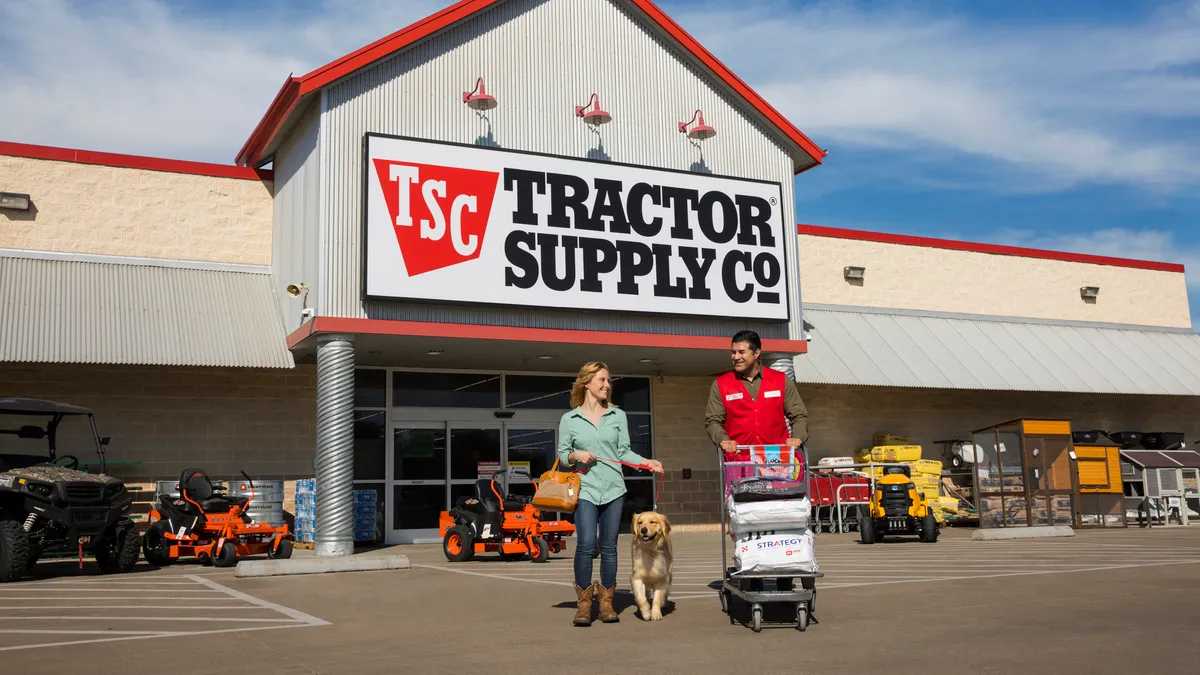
<point x="440" y="214"/>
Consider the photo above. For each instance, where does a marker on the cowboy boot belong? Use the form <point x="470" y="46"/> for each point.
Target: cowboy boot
<point x="607" y="613"/>
<point x="583" y="611"/>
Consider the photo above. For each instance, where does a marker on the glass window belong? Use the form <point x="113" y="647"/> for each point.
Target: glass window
<point x="445" y="390"/>
<point x="632" y="394"/>
<point x="540" y="392"/>
<point x="468" y="447"/>
<point x="417" y="506"/>
<point x="370" y="445"/>
<point x="535" y="446"/>
<point x="420" y="454"/>
<point x="640" y="441"/>
<point x="370" y="388"/>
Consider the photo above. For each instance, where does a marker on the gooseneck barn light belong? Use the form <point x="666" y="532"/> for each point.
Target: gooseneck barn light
<point x="595" y="116"/>
<point x="699" y="132"/>
<point x="478" y="98"/>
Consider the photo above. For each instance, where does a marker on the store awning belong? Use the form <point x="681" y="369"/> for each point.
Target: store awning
<point x="1163" y="459"/>
<point x="63" y="308"/>
<point x="862" y="346"/>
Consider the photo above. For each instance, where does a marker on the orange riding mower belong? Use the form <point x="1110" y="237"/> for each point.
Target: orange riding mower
<point x="491" y="522"/>
<point x="209" y="526"/>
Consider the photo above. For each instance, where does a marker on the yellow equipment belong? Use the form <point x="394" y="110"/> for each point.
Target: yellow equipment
<point x="898" y="507"/>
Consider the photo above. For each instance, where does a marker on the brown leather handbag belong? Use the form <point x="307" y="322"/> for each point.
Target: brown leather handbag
<point x="558" y="490"/>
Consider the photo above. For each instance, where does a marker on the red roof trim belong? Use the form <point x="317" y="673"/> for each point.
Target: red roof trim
<point x="131" y="161"/>
<point x="295" y="89"/>
<point x="994" y="249"/>
<point x="328" y="324"/>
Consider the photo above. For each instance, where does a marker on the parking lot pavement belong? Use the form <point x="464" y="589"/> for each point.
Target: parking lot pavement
<point x="1098" y="603"/>
<point x="86" y="610"/>
<point x="847" y="564"/>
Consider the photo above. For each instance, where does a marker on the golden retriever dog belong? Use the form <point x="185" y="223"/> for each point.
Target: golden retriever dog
<point x="652" y="563"/>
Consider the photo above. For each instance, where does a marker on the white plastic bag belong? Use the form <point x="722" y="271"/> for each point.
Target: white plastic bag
<point x="775" y="515"/>
<point x="783" y="554"/>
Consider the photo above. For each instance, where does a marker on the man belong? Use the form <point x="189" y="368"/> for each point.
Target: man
<point x="748" y="406"/>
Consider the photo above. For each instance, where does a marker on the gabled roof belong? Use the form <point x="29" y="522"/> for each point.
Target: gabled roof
<point x="297" y="89"/>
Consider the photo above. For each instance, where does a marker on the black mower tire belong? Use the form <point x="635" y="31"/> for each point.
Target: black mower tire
<point x="119" y="551"/>
<point x="866" y="527"/>
<point x="283" y="552"/>
<point x="540" y="552"/>
<point x="14" y="551"/>
<point x="459" y="544"/>
<point x="227" y="556"/>
<point x="155" y="548"/>
<point x="929" y="528"/>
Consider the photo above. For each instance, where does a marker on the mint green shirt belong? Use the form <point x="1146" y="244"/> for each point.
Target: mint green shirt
<point x="603" y="481"/>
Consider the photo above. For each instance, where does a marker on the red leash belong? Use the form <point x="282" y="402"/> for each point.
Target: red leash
<point x="657" y="491"/>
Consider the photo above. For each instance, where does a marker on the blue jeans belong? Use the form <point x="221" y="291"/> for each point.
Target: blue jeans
<point x="606" y="519"/>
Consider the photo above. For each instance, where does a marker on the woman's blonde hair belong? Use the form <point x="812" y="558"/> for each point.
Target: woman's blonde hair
<point x="586" y="373"/>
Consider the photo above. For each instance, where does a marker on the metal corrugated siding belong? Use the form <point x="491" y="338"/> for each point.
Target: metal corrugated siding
<point x="880" y="349"/>
<point x="297" y="215"/>
<point x="540" y="59"/>
<point x="61" y="311"/>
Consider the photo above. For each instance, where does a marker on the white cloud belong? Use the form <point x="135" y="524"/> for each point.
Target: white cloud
<point x="1067" y="103"/>
<point x="137" y="77"/>
<point x="1047" y="107"/>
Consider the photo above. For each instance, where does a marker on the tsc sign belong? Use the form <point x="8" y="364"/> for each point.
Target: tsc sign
<point x="469" y="224"/>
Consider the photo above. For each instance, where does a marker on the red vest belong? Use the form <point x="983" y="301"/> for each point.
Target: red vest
<point x="754" y="421"/>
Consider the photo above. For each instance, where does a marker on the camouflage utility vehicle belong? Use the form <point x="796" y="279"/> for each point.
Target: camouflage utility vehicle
<point x="49" y="505"/>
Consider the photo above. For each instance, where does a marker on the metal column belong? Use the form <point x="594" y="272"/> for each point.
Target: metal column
<point x="335" y="445"/>
<point x="781" y="362"/>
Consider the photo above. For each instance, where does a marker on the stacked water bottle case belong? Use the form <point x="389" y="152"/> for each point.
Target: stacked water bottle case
<point x="366" y="513"/>
<point x="306" y="510"/>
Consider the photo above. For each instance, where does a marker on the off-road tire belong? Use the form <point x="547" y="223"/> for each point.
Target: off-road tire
<point x="929" y="528"/>
<point x="14" y="551"/>
<point x="866" y="527"/>
<point x="155" y="547"/>
<point x="118" y="552"/>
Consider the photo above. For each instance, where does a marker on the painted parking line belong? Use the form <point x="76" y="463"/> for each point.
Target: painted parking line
<point x="157" y="604"/>
<point x="847" y="564"/>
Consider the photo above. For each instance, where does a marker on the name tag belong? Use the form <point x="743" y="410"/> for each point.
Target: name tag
<point x="733" y="397"/>
<point x="772" y="394"/>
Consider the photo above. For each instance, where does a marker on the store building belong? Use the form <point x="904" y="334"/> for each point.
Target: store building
<point x="395" y="285"/>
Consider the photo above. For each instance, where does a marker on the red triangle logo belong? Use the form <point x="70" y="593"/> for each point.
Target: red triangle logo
<point x="440" y="213"/>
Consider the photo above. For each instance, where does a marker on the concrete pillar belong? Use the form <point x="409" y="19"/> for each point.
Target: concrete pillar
<point x="335" y="445"/>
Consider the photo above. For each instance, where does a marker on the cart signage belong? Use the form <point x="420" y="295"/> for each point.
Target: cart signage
<point x="472" y="224"/>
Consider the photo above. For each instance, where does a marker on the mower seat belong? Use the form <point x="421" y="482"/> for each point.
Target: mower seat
<point x="194" y="483"/>
<point x="489" y="492"/>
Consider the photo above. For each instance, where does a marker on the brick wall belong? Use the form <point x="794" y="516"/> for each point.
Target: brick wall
<point x="221" y="420"/>
<point x="933" y="279"/>
<point x="85" y="208"/>
<point x="843" y="419"/>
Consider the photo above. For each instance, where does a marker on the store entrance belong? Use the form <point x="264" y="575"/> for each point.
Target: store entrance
<point x="435" y="463"/>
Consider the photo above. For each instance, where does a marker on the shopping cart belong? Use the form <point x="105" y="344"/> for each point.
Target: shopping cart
<point x="743" y="586"/>
<point x="835" y="498"/>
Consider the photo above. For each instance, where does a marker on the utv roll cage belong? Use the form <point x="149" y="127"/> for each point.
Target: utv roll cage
<point x="56" y="412"/>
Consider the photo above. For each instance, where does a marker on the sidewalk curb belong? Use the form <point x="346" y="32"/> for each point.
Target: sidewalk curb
<point x="321" y="565"/>
<point x="1006" y="533"/>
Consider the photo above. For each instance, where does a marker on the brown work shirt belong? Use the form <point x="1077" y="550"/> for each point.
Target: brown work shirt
<point x="793" y="409"/>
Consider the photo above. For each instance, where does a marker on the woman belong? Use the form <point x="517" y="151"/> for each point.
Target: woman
<point x="592" y="438"/>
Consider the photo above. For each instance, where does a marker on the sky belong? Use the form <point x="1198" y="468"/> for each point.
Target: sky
<point x="1065" y="125"/>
